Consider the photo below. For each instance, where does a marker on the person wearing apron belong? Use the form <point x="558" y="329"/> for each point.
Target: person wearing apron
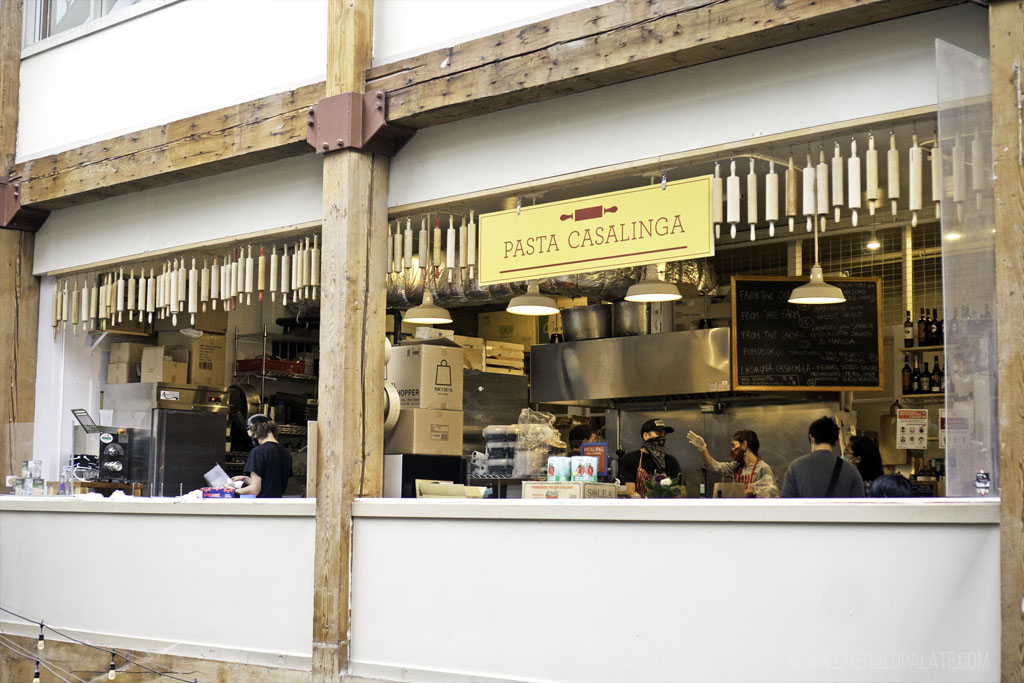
<point x="746" y="467"/>
<point x="641" y="466"/>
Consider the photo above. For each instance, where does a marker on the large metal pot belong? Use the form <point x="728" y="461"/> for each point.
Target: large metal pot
<point x="630" y="318"/>
<point x="587" y="322"/>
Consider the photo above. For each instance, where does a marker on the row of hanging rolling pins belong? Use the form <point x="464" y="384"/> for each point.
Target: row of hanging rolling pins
<point x="460" y="247"/>
<point x="178" y="286"/>
<point x="829" y="185"/>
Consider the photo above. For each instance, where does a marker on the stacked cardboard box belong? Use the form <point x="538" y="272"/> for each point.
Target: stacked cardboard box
<point x="123" y="364"/>
<point x="204" y="356"/>
<point x="428" y="377"/>
<point x="168" y="366"/>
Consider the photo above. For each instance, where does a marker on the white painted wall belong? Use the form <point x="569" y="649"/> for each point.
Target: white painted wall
<point x="198" y="55"/>
<point x="164" y="577"/>
<point x="862" y="72"/>
<point x="699" y="591"/>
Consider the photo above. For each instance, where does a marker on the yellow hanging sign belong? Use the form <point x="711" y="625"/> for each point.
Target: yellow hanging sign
<point x="612" y="230"/>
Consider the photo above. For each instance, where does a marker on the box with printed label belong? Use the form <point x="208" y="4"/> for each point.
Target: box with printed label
<point x="122" y="373"/>
<point x="127" y="352"/>
<point x="426" y="432"/>
<point x="536" y="490"/>
<point x="205" y="356"/>
<point x="427" y="374"/>
<point x="160" y="364"/>
<point x="508" y="327"/>
<point x="215" y="321"/>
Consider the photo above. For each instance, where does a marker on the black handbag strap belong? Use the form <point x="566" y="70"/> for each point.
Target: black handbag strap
<point x="835" y="477"/>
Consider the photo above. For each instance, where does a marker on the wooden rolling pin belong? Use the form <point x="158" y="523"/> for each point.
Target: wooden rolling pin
<point x="261" y="273"/>
<point x="150" y="295"/>
<point x="853" y="180"/>
<point x="215" y="282"/>
<point x="915" y="178"/>
<point x="732" y="199"/>
<point x="131" y="295"/>
<point x="314" y="268"/>
<point x="204" y="285"/>
<point x="449" y="261"/>
<point x="871" y="174"/>
<point x="174" y="304"/>
<point x="286" y="275"/>
<point x="752" y="201"/>
<point x="837" y="181"/>
<point x="716" y="201"/>
<point x="936" y="159"/>
<point x="771" y="198"/>
<point x="250" y="276"/>
<point x="821" y="177"/>
<point x="893" y="176"/>
<point x="791" y="194"/>
<point x="810" y="203"/>
<point x="193" y="293"/>
<point x="423" y="250"/>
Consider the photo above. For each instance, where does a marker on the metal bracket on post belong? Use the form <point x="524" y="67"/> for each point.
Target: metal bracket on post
<point x="355" y="121"/>
<point x="13" y="215"/>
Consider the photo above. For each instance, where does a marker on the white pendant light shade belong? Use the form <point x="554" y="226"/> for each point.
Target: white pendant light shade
<point x="817" y="291"/>
<point x="873" y="242"/>
<point x="427" y="313"/>
<point x="533" y="302"/>
<point x="652" y="288"/>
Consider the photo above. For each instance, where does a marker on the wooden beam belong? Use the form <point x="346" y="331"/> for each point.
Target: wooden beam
<point x="1006" y="34"/>
<point x="611" y="43"/>
<point x="10" y="70"/>
<point x="350" y="423"/>
<point x="582" y="50"/>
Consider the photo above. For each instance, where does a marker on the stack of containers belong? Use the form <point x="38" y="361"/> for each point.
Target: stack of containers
<point x="428" y="377"/>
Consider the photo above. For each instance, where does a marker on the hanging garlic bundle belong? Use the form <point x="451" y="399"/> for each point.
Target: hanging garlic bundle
<point x="732" y="206"/>
<point x="791" y="198"/>
<point x="853" y="179"/>
<point x="936" y="159"/>
<point x="810" y="203"/>
<point x="821" y="177"/>
<point x="871" y="174"/>
<point x="752" y="200"/>
<point x="716" y="201"/>
<point x="837" y="181"/>
<point x="894" y="173"/>
<point x="771" y="197"/>
<point x="204" y="285"/>
<point x="915" y="178"/>
<point x="314" y="268"/>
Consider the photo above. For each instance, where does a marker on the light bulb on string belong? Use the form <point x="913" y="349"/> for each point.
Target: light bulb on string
<point x="111" y="673"/>
<point x="42" y="639"/>
<point x="35" y="676"/>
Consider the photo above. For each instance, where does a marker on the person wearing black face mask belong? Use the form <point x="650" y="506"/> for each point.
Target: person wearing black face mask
<point x="639" y="467"/>
<point x="746" y="466"/>
<point x="269" y="465"/>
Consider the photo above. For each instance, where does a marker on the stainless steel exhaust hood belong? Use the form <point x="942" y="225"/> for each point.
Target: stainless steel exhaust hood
<point x="604" y="371"/>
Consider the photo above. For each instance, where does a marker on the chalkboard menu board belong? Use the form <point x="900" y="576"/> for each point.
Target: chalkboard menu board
<point x="779" y="346"/>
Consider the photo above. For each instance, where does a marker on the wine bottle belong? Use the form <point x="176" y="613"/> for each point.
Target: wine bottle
<point x="936" y="379"/>
<point x="922" y="330"/>
<point x="926" y="380"/>
<point x="933" y="330"/>
<point x="908" y="332"/>
<point x="908" y="376"/>
<point x="915" y="380"/>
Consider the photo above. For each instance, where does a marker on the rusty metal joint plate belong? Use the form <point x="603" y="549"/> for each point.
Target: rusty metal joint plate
<point x="354" y="120"/>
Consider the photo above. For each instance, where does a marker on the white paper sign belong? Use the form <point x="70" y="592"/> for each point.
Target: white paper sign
<point x="911" y="429"/>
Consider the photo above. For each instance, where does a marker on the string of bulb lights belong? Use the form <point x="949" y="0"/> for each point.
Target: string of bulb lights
<point x="41" y="645"/>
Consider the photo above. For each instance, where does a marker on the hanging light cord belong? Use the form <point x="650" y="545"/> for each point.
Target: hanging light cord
<point x="113" y="653"/>
<point x="32" y="657"/>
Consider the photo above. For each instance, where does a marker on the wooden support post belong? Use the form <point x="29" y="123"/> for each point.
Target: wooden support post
<point x="19" y="290"/>
<point x="1006" y="35"/>
<point x="350" y="415"/>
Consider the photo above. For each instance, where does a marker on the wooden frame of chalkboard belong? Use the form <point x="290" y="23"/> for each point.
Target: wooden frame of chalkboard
<point x="806" y="347"/>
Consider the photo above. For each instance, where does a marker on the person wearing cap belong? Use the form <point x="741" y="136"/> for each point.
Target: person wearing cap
<point x="746" y="467"/>
<point x="269" y="465"/>
<point x="639" y="467"/>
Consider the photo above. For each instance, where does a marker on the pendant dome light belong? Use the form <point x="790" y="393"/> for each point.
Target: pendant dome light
<point x="533" y="302"/>
<point x="652" y="288"/>
<point x="873" y="242"/>
<point x="427" y="313"/>
<point x="817" y="291"/>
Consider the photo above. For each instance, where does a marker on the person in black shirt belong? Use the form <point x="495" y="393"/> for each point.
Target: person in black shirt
<point x="269" y="465"/>
<point x="639" y="467"/>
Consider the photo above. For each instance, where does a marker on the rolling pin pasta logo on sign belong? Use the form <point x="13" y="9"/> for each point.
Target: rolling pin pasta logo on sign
<point x="613" y="230"/>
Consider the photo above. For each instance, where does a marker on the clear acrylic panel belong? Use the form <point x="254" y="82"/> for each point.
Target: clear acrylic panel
<point x="968" y="253"/>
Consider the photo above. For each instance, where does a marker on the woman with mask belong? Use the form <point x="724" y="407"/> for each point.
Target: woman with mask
<point x="862" y="452"/>
<point x="746" y="467"/>
<point x="641" y="466"/>
<point x="269" y="465"/>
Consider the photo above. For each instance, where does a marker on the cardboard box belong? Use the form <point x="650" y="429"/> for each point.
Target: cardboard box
<point x="507" y="327"/>
<point x="535" y="490"/>
<point x="473" y="352"/>
<point x="426" y="432"/>
<point x="169" y="366"/>
<point x="122" y="373"/>
<point x="205" y="356"/>
<point x="127" y="352"/>
<point x="427" y="374"/>
<point x="210" y="321"/>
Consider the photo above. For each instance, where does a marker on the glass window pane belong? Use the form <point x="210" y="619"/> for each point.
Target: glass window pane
<point x="67" y="14"/>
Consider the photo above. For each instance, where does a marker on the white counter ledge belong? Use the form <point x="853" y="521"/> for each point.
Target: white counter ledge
<point x="283" y="507"/>
<point x="846" y="511"/>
